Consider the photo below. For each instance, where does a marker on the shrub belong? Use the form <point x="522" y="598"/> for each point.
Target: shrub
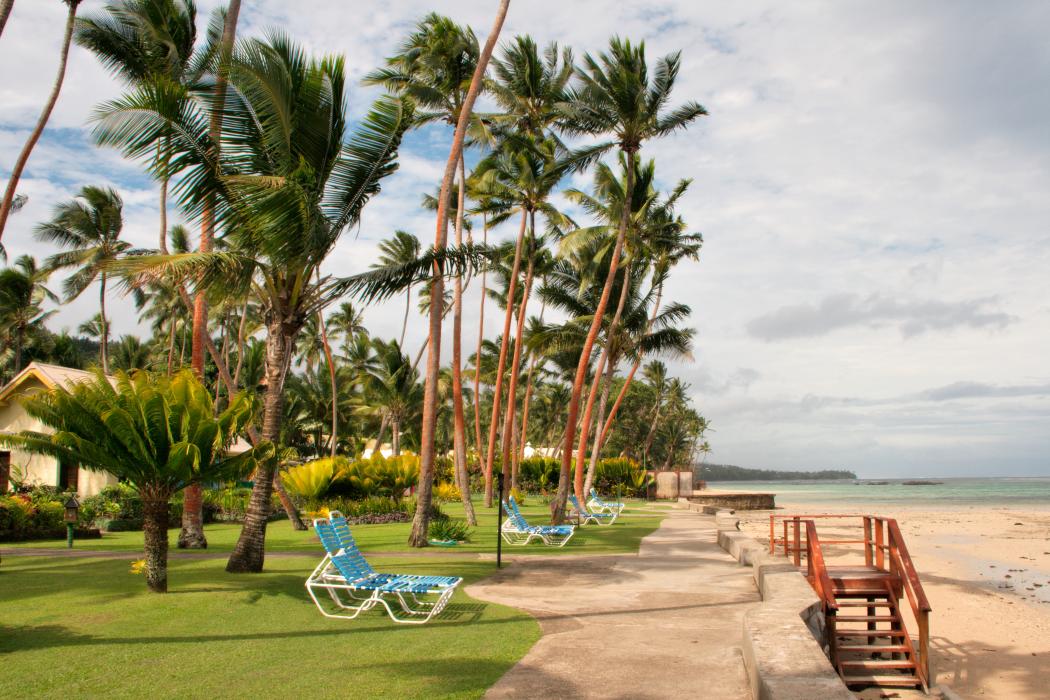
<point x="539" y="473"/>
<point x="14" y="514"/>
<point x="449" y="530"/>
<point x="373" y="510"/>
<point x="623" y="472"/>
<point x="310" y="481"/>
<point x="446" y="493"/>
<point x="376" y="476"/>
<point x="518" y="495"/>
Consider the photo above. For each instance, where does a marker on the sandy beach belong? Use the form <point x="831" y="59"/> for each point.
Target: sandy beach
<point x="986" y="572"/>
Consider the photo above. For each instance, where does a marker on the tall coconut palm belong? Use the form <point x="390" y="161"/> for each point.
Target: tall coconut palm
<point x="289" y="184"/>
<point x="34" y="136"/>
<point x="149" y="41"/>
<point x="418" y="536"/>
<point x="616" y="96"/>
<point x="5" y="11"/>
<point x="402" y="248"/>
<point x="391" y="390"/>
<point x="22" y="296"/>
<point x="529" y="88"/>
<point x="435" y="67"/>
<point x="90" y="227"/>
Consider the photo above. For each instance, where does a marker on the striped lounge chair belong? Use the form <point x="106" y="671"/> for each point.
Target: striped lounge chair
<point x="516" y="530"/>
<point x="589" y="516"/>
<point x="596" y="503"/>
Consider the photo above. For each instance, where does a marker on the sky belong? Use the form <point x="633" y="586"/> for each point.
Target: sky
<point x="872" y="184"/>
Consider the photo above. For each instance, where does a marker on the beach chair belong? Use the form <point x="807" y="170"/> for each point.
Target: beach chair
<point x="354" y="586"/>
<point x="589" y="516"/>
<point x="516" y="530"/>
<point x="596" y="503"/>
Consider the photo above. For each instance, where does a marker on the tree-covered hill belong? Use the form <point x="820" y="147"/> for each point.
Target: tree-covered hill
<point x="728" y="472"/>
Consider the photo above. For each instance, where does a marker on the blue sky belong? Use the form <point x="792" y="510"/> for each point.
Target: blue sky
<point x="871" y="184"/>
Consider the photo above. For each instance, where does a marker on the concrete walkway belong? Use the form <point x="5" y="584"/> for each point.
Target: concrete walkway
<point x="666" y="622"/>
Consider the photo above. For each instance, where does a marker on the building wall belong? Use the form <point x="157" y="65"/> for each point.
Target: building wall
<point x="40" y="469"/>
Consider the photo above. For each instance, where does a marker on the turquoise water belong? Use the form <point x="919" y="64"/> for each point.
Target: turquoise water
<point x="1017" y="491"/>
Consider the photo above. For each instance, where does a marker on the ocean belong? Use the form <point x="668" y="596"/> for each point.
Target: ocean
<point x="1025" y="492"/>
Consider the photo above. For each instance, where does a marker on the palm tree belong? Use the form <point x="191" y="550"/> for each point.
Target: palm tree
<point x="130" y="353"/>
<point x="90" y="227"/>
<point x="22" y="295"/>
<point x="34" y="135"/>
<point x="289" y="186"/>
<point x="145" y="42"/>
<point x="401" y="249"/>
<point x="391" y="390"/>
<point x="616" y="96"/>
<point x="114" y="429"/>
<point x="530" y="88"/>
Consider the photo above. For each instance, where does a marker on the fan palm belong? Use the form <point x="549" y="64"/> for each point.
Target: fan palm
<point x="616" y="96"/>
<point x="7" y="203"/>
<point x="285" y="183"/>
<point x="22" y="296"/>
<point x="157" y="433"/>
<point x="90" y="227"/>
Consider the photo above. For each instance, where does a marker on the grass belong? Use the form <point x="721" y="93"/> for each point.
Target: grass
<point x="87" y="627"/>
<point x="621" y="537"/>
<point x="77" y="627"/>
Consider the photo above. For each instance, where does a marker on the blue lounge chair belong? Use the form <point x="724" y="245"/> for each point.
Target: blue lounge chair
<point x="354" y="586"/>
<point x="516" y="530"/>
<point x="596" y="503"/>
<point x="589" y="516"/>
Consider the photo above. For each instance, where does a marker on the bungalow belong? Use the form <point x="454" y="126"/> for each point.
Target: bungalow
<point x="38" y="469"/>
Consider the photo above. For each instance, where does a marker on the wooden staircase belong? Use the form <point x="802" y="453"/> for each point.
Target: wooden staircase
<point x="867" y="638"/>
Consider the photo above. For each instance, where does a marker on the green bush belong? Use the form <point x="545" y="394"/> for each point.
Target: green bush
<point x="15" y="513"/>
<point x="449" y="529"/>
<point x="621" y="472"/>
<point x="375" y="509"/>
<point x="539" y="474"/>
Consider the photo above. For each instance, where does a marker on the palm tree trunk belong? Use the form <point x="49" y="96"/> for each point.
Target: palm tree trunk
<point x="5" y="10"/>
<point x="104" y="340"/>
<point x="45" y="114"/>
<point x="528" y="396"/>
<point x="155" y="537"/>
<point x="404" y="324"/>
<point x="562" y="497"/>
<point x="603" y="360"/>
<point x="19" y="335"/>
<point x="421" y="522"/>
<point x="459" y="438"/>
<point x="512" y="392"/>
<point x="395" y="437"/>
<point x="163" y="199"/>
<point x="630" y="375"/>
<point x="595" y="446"/>
<point x="497" y="394"/>
<point x="481" y="336"/>
<point x="250" y="551"/>
<point x="379" y="438"/>
<point x="240" y="345"/>
<point x="331" y="375"/>
<point x="171" y="344"/>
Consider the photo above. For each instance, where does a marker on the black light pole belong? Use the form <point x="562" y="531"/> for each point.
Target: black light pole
<point x="499" y="522"/>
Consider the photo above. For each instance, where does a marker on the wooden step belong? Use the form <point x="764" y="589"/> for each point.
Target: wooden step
<point x="871" y="648"/>
<point x="876" y="664"/>
<point x="847" y="592"/>
<point x="864" y="603"/>
<point x="845" y="634"/>
<point x="900" y="681"/>
<point x="866" y="618"/>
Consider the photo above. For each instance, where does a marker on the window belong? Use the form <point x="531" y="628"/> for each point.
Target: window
<point x="5" y="471"/>
<point x="68" y="476"/>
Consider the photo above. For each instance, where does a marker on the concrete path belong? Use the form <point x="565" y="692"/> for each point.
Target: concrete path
<point x="666" y="622"/>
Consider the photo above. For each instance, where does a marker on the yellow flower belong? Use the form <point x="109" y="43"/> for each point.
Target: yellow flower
<point x="138" y="566"/>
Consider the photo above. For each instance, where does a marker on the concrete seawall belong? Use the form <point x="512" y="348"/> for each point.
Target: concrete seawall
<point x="783" y="637"/>
<point x="734" y="501"/>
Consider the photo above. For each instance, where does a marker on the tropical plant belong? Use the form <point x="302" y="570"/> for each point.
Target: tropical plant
<point x="157" y="433"/>
<point x="616" y="96"/>
<point x="22" y="295"/>
<point x="7" y="204"/>
<point x="287" y="195"/>
<point x="89" y="226"/>
<point x="401" y="249"/>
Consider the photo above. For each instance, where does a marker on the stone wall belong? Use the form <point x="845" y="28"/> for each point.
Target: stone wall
<point x="735" y="501"/>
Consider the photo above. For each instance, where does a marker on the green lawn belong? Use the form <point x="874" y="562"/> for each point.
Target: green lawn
<point x="620" y="537"/>
<point x="86" y="627"/>
<point x="76" y="627"/>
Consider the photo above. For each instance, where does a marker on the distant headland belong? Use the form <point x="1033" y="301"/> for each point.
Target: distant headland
<point x="729" y="472"/>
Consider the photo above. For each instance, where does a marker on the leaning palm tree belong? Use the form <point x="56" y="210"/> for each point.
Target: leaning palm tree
<point x="22" y="296"/>
<point x="401" y="249"/>
<point x="34" y="136"/>
<point x="616" y="96"/>
<point x="90" y="227"/>
<point x="5" y="12"/>
<point x="157" y="433"/>
<point x="289" y="184"/>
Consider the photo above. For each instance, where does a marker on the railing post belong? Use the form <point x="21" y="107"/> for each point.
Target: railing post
<point x="880" y="555"/>
<point x="787" y="548"/>
<point x="924" y="647"/>
<point x="772" y="536"/>
<point x="798" y="543"/>
<point x="867" y="541"/>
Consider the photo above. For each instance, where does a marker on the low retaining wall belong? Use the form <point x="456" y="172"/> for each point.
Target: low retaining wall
<point x="735" y="501"/>
<point x="784" y="636"/>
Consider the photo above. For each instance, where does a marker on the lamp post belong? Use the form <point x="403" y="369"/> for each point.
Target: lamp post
<point x="499" y="522"/>
<point x="71" y="516"/>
